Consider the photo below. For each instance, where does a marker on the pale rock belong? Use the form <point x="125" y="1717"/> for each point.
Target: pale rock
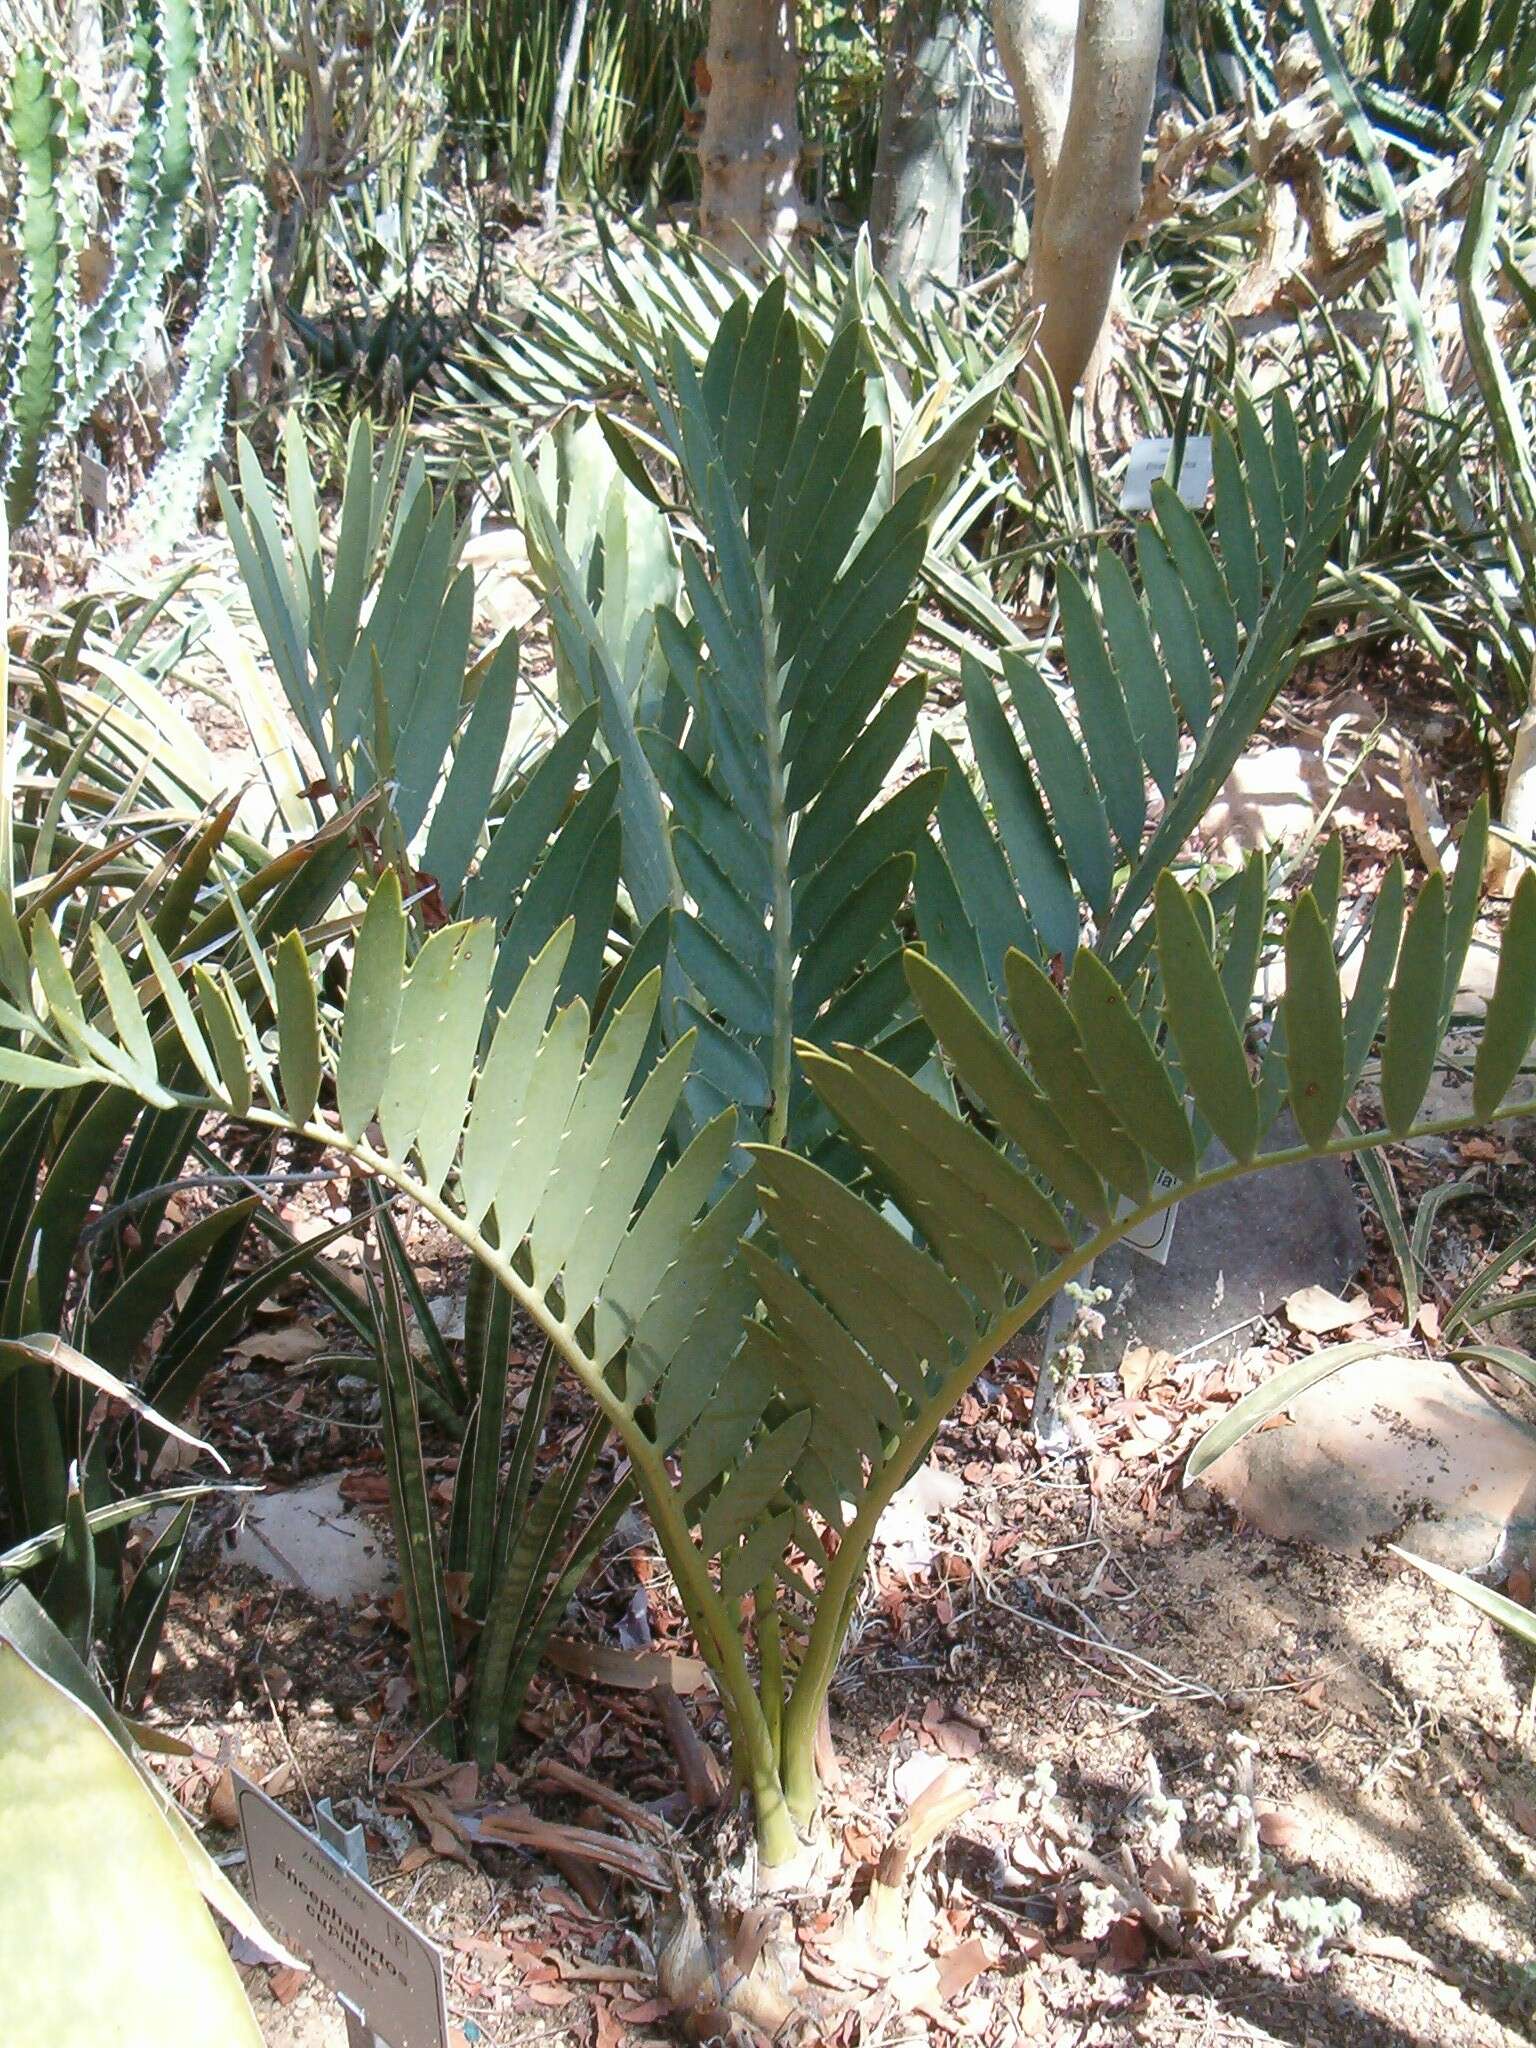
<point x="1390" y="1448"/>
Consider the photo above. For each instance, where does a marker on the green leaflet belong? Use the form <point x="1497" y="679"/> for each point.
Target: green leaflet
<point x="753" y="1485"/>
<point x="1210" y="1046"/>
<point x="505" y="1075"/>
<point x="1126" y="1067"/>
<point x="298" y="1029"/>
<point x="998" y="1084"/>
<point x="1060" y="1064"/>
<point x="1314" y="1024"/>
<point x="590" y="1132"/>
<point x="223" y="1032"/>
<point x="373" y="1007"/>
<point x="1369" y="1000"/>
<point x="1511" y="1018"/>
<point x="436" y="1033"/>
<point x="1413" y="1009"/>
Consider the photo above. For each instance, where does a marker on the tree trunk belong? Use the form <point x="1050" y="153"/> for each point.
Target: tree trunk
<point x="923" y="152"/>
<point x="749" y="152"/>
<point x="549" y="191"/>
<point x="1085" y="113"/>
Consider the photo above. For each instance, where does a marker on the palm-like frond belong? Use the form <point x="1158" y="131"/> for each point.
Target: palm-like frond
<point x="1165" y="684"/>
<point x="796" y="1378"/>
<point x="754" y="802"/>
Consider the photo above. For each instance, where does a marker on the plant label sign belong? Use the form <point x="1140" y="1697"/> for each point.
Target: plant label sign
<point x="1149" y="460"/>
<point x="1154" y="1238"/>
<point x="370" y="1955"/>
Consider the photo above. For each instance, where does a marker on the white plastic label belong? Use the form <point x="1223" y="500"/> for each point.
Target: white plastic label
<point x="1149" y="460"/>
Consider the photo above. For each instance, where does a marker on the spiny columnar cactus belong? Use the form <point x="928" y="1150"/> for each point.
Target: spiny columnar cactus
<point x="194" y="420"/>
<point x="167" y="50"/>
<point x="32" y="356"/>
<point x="62" y="360"/>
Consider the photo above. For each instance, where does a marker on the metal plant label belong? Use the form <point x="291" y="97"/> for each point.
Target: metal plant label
<point x="370" y="1955"/>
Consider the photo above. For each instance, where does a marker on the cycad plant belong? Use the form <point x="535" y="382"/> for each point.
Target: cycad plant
<point x="777" y="1360"/>
<point x="775" y="1221"/>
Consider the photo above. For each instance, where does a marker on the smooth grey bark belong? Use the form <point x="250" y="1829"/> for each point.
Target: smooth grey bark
<point x="549" y="190"/>
<point x="1085" y="111"/>
<point x="749" y="152"/>
<point x="923" y="153"/>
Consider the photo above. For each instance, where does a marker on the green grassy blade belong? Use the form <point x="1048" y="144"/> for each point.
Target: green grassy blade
<point x="1276" y="1394"/>
<point x="1498" y="1607"/>
<point x="421" y="1579"/>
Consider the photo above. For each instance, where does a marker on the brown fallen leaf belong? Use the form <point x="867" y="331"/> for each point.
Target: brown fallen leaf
<point x="1518" y="1585"/>
<point x="957" y="1739"/>
<point x="222" y="1809"/>
<point x="610" y="2030"/>
<point x="1143" y="1366"/>
<point x="287" y="1344"/>
<point x="1282" y="1831"/>
<point x="1522" y="1812"/>
<point x="1127" y="1943"/>
<point x="640" y="2012"/>
<point x="1318" y="1311"/>
<point x="548" y="1994"/>
<point x="444" y="1830"/>
<point x="627" y="1670"/>
<point x="961" y="1966"/>
<point x="285" y="1983"/>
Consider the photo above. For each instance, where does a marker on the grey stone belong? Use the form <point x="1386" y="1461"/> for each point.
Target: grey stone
<point x="1237" y="1252"/>
<point x="1391" y="1447"/>
<point x="309" y="1537"/>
